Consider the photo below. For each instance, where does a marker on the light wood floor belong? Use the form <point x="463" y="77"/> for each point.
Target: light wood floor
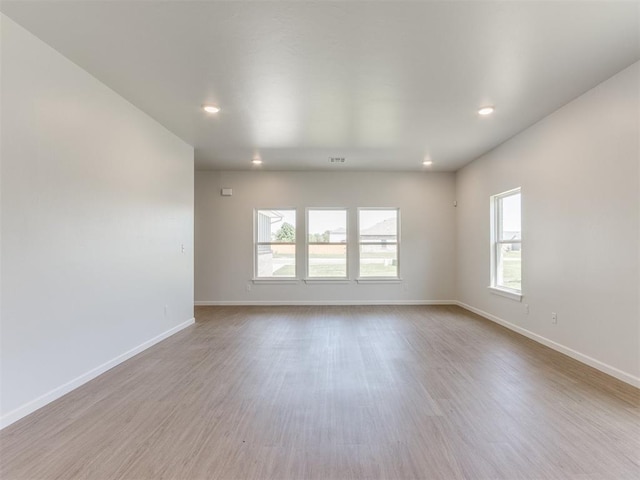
<point x="336" y="393"/>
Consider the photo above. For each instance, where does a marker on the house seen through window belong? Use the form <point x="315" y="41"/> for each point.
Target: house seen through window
<point x="378" y="242"/>
<point x="275" y="245"/>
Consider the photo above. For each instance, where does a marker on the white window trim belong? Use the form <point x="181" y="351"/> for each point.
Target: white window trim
<point x="365" y="280"/>
<point x="273" y="280"/>
<point x="389" y="279"/>
<point x="496" y="242"/>
<point x="327" y="281"/>
<point x="311" y="280"/>
<point x="511" y="294"/>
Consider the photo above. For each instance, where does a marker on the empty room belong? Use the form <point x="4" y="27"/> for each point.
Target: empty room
<point x="328" y="240"/>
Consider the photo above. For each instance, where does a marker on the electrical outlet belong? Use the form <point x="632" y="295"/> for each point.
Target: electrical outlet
<point x="554" y="318"/>
<point x="166" y="310"/>
<point x="248" y="287"/>
<point x="526" y="309"/>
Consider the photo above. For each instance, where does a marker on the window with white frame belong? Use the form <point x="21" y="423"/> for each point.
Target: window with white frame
<point x="506" y="236"/>
<point x="379" y="242"/>
<point x="275" y="243"/>
<point x="327" y="237"/>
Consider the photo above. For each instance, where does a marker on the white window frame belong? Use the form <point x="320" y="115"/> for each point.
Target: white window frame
<point x="379" y="279"/>
<point x="497" y="242"/>
<point x="308" y="278"/>
<point x="257" y="244"/>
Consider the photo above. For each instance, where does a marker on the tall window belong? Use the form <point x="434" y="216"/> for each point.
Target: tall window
<point x="507" y="241"/>
<point x="327" y="243"/>
<point x="275" y="243"/>
<point x="379" y="242"/>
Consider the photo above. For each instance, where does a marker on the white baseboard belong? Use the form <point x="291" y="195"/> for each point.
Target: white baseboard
<point x="592" y="362"/>
<point x="320" y="302"/>
<point x="58" y="392"/>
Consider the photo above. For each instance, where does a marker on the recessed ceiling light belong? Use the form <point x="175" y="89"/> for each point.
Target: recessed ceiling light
<point x="210" y="108"/>
<point x="488" y="110"/>
<point x="256" y="161"/>
<point x="427" y="163"/>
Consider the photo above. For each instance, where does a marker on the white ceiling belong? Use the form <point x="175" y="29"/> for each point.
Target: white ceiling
<point x="381" y="83"/>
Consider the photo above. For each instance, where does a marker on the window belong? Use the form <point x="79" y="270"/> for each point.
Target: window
<point x="275" y="243"/>
<point x="379" y="241"/>
<point x="506" y="254"/>
<point x="327" y="243"/>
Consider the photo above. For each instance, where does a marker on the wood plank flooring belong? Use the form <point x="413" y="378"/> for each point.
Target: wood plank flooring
<point x="402" y="392"/>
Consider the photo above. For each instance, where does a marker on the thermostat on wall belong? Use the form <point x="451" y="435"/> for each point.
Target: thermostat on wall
<point x="226" y="192"/>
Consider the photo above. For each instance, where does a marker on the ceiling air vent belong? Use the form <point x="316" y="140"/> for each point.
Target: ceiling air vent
<point x="337" y="159"/>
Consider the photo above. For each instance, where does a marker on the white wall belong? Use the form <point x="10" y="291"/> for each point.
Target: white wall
<point x="224" y="233"/>
<point x="579" y="173"/>
<point x="97" y="199"/>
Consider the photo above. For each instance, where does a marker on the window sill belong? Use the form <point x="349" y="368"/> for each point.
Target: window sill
<point x="506" y="293"/>
<point x="332" y="281"/>
<point x="379" y="280"/>
<point x="275" y="281"/>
